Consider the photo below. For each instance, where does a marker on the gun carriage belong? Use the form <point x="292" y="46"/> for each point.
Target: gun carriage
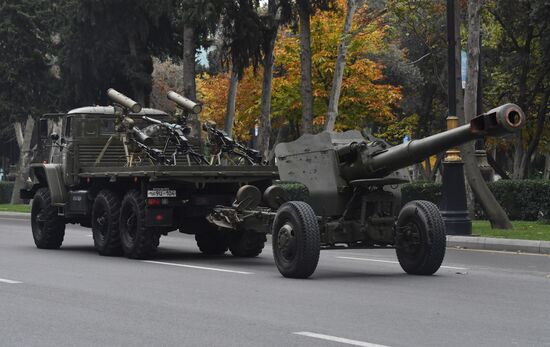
<point x="118" y="173"/>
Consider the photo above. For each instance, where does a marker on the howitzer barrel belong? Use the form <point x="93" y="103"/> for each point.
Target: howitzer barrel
<point x="185" y="103"/>
<point x="123" y="100"/>
<point x="359" y="163"/>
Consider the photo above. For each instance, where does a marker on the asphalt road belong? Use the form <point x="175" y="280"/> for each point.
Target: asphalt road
<point x="74" y="297"/>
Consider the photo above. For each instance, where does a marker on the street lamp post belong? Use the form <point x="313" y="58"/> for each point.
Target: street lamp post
<point x="453" y="203"/>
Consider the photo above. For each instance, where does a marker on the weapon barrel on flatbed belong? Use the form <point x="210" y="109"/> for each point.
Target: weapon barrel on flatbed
<point x="185" y="103"/>
<point x="141" y="137"/>
<point x="497" y="122"/>
<point x="151" y="120"/>
<point x="123" y="100"/>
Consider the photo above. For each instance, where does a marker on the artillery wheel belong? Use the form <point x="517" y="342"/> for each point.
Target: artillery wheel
<point x="48" y="229"/>
<point x="421" y="239"/>
<point x="105" y="218"/>
<point x="138" y="241"/>
<point x="247" y="244"/>
<point x="296" y="240"/>
<point x="209" y="239"/>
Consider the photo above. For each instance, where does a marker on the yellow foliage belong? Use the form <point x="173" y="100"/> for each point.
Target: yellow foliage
<point x="365" y="99"/>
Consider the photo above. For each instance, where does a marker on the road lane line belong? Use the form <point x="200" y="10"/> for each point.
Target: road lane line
<point x="3" y="280"/>
<point x="338" y="339"/>
<point x="396" y="262"/>
<point x="199" y="267"/>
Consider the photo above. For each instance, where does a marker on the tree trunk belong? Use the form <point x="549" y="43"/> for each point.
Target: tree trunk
<point x="231" y="102"/>
<point x="139" y="94"/>
<point x="24" y="161"/>
<point x="546" y="166"/>
<point x="189" y="87"/>
<point x="18" y="134"/>
<point x="345" y="40"/>
<point x="265" y="107"/>
<point x="306" y="88"/>
<point x="533" y="144"/>
<point x="490" y="205"/>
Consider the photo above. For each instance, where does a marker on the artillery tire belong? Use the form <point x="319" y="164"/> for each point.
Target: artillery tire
<point x="296" y="240"/>
<point x="138" y="241"/>
<point x="421" y="238"/>
<point x="105" y="219"/>
<point x="48" y="229"/>
<point x="247" y="244"/>
<point x="210" y="240"/>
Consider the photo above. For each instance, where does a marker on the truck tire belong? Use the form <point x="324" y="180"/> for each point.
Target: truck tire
<point x="421" y="242"/>
<point x="138" y="241"/>
<point x="105" y="218"/>
<point x="247" y="244"/>
<point x="209" y="239"/>
<point x="296" y="240"/>
<point x="48" y="229"/>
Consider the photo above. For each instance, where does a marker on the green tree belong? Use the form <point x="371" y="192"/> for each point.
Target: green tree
<point x="110" y="44"/>
<point x="27" y="86"/>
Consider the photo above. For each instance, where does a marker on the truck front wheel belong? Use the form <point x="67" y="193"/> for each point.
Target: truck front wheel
<point x="48" y="229"/>
<point x="105" y="217"/>
<point x="138" y="241"/>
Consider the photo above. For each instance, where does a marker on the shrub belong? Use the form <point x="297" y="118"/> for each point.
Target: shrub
<point x="6" y="189"/>
<point x="521" y="199"/>
<point x="296" y="191"/>
<point x="421" y="191"/>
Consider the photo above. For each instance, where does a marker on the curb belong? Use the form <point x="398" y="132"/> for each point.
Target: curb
<point x="15" y="215"/>
<point x="498" y="244"/>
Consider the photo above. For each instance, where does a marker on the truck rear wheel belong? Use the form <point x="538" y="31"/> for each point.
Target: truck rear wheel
<point x="48" y="229"/>
<point x="296" y="240"/>
<point x="209" y="240"/>
<point x="138" y="241"/>
<point x="105" y="218"/>
<point x="421" y="242"/>
<point x="247" y="244"/>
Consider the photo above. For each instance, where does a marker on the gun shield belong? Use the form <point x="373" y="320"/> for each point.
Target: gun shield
<point x="123" y="100"/>
<point x="185" y="103"/>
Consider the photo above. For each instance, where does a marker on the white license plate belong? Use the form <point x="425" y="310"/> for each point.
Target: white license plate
<point x="161" y="193"/>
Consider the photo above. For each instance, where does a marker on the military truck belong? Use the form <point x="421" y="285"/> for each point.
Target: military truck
<point x="106" y="173"/>
<point x="84" y="176"/>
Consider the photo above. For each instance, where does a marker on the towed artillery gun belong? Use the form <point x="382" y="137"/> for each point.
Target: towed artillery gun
<point x="353" y="184"/>
<point x="355" y="198"/>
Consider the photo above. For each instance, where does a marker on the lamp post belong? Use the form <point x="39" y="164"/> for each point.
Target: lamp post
<point x="453" y="203"/>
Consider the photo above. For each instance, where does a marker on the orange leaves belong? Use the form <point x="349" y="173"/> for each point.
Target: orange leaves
<point x="365" y="98"/>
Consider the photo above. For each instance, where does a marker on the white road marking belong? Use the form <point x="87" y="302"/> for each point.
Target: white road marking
<point x="338" y="339"/>
<point x="18" y="219"/>
<point x="3" y="280"/>
<point x="396" y="262"/>
<point x="199" y="267"/>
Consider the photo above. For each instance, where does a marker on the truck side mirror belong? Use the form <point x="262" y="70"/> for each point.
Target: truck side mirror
<point x="54" y="137"/>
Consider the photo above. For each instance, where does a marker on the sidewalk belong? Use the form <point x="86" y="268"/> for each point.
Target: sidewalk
<point x="468" y="242"/>
<point x="498" y="244"/>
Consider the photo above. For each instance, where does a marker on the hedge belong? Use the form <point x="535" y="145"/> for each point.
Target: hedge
<point x="296" y="191"/>
<point x="521" y="199"/>
<point x="6" y="188"/>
